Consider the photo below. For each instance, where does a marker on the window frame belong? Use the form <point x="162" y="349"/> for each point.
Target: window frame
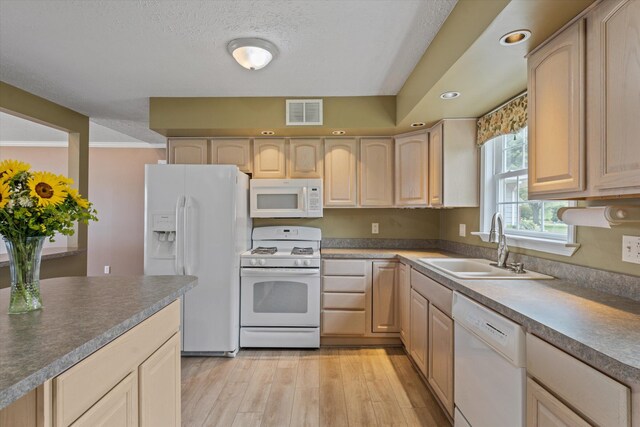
<point x="489" y="181"/>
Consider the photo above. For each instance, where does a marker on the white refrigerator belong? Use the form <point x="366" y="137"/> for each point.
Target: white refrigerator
<point x="197" y="223"/>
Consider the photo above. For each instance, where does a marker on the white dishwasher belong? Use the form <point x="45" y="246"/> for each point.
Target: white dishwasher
<point x="489" y="361"/>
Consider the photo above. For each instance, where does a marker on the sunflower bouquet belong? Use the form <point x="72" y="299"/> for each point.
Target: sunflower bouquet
<point x="34" y="206"/>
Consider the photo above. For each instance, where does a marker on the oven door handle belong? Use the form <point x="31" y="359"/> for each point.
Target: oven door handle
<point x="280" y="272"/>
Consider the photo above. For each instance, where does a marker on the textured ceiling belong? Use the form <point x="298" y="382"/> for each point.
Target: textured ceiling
<point x="106" y="58"/>
<point x="17" y="129"/>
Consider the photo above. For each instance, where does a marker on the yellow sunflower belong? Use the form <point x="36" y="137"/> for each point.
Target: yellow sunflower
<point x="47" y="188"/>
<point x="4" y="194"/>
<point x="11" y="167"/>
<point x="65" y="180"/>
<point x="75" y="195"/>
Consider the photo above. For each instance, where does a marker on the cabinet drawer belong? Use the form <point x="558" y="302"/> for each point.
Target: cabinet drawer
<point x="344" y="284"/>
<point x="597" y="396"/>
<point x="81" y="386"/>
<point x="336" y="322"/>
<point x="344" y="267"/>
<point x="436" y="293"/>
<point x="344" y="301"/>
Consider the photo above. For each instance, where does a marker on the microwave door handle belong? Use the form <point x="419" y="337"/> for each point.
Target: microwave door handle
<point x="304" y="199"/>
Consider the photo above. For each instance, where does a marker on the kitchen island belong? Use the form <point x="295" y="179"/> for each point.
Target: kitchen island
<point x="93" y="337"/>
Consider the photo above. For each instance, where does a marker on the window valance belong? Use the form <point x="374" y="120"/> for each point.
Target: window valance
<point x="509" y="118"/>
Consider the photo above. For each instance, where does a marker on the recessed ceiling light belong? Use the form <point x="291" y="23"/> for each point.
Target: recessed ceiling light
<point x="417" y="124"/>
<point x="449" y="95"/>
<point x="252" y="53"/>
<point x="268" y="132"/>
<point x="515" y="37"/>
<point x="338" y="132"/>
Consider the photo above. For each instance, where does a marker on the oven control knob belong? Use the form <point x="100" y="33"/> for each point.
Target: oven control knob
<point x="307" y="262"/>
<point x="298" y="262"/>
<point x="262" y="262"/>
<point x="254" y="262"/>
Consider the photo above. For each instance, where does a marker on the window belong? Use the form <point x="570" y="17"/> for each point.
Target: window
<point x="531" y="224"/>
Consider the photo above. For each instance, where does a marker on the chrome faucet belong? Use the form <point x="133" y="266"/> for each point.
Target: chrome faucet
<point x="499" y="238"/>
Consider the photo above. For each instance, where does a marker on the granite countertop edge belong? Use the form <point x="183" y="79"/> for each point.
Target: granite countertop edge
<point x="611" y="366"/>
<point x="21" y="388"/>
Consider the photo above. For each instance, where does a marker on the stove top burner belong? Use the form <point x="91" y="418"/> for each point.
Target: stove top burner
<point x="264" y="251"/>
<point x="302" y="251"/>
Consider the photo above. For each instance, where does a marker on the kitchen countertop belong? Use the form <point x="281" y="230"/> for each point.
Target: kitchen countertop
<point x="79" y="316"/>
<point x="601" y="329"/>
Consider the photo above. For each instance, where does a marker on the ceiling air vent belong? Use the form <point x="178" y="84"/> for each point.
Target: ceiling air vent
<point x="304" y="112"/>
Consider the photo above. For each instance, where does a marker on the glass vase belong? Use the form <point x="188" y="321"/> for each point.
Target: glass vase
<point x="24" y="266"/>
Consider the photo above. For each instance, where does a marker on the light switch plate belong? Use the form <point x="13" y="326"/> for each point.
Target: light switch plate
<point x="375" y="228"/>
<point x="631" y="249"/>
<point x="463" y="230"/>
<point x="107" y="269"/>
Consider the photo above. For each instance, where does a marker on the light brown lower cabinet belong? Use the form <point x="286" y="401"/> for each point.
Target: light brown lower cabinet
<point x="160" y="386"/>
<point x="544" y="410"/>
<point x="118" y="408"/>
<point x="133" y="380"/>
<point x="404" y="285"/>
<point x="420" y="331"/>
<point x="385" y="303"/>
<point x="441" y="356"/>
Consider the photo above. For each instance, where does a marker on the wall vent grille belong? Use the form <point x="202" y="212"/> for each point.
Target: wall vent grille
<point x="304" y="112"/>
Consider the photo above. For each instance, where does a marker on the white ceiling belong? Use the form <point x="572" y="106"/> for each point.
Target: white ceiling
<point x="16" y="130"/>
<point x="106" y="58"/>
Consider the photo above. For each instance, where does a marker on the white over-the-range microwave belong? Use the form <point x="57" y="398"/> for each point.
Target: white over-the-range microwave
<point x="286" y="198"/>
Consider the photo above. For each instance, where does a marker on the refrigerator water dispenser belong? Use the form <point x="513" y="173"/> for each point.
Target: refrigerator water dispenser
<point x="164" y="233"/>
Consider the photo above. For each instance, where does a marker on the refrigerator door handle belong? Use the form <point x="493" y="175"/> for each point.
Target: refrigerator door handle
<point x="187" y="240"/>
<point x="179" y="260"/>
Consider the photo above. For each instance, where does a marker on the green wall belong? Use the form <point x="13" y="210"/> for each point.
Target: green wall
<point x="599" y="247"/>
<point x="211" y="116"/>
<point x="356" y="223"/>
<point x="31" y="107"/>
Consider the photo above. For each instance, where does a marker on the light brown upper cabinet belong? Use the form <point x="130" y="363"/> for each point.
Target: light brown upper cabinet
<point x="269" y="158"/>
<point x="305" y="158"/>
<point x="187" y="151"/>
<point x="411" y="170"/>
<point x="453" y="164"/>
<point x="340" y="177"/>
<point x="376" y="172"/>
<point x="232" y="151"/>
<point x="556" y="115"/>
<point x="435" y="165"/>
<point x="613" y="98"/>
<point x="386" y="297"/>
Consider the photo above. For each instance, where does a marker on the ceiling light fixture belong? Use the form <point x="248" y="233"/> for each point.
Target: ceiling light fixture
<point x="338" y="132"/>
<point x="515" y="37"/>
<point x="252" y="53"/>
<point x="417" y="124"/>
<point x="268" y="132"/>
<point x="449" y="95"/>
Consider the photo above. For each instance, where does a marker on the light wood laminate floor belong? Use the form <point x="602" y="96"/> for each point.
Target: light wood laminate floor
<point x="326" y="387"/>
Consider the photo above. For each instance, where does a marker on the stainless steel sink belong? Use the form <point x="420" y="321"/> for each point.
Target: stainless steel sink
<point x="476" y="268"/>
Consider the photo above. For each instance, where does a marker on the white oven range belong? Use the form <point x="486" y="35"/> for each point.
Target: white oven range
<point x="280" y="288"/>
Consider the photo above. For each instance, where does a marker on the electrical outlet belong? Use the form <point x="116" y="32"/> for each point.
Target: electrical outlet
<point x="375" y="228"/>
<point x="107" y="269"/>
<point x="463" y="230"/>
<point x="631" y="249"/>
